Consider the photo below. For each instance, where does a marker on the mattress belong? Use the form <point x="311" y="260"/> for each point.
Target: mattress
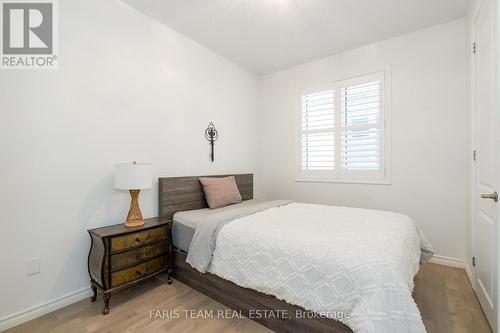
<point x="184" y="223"/>
<point x="182" y="235"/>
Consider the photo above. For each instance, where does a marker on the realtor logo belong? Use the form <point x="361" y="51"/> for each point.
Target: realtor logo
<point x="28" y="31"/>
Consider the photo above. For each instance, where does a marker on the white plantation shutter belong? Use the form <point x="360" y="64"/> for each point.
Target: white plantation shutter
<point x="343" y="131"/>
<point x="318" y="149"/>
<point x="361" y="112"/>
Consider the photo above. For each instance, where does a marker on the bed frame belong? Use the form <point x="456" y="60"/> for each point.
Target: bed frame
<point x="185" y="193"/>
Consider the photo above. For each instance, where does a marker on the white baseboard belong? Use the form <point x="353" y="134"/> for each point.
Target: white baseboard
<point x="468" y="271"/>
<point x="447" y="261"/>
<point x="44" y="308"/>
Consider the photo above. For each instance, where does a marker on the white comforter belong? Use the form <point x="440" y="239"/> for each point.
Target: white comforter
<point x="335" y="260"/>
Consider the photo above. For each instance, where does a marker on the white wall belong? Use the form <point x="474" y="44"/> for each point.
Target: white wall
<point x="429" y="117"/>
<point x="126" y="88"/>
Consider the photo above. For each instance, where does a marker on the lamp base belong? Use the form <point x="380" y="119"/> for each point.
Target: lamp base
<point x="134" y="217"/>
<point x="131" y="224"/>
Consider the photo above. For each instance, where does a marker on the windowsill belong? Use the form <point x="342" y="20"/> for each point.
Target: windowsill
<point x="344" y="181"/>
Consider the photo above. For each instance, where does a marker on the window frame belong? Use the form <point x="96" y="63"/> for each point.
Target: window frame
<point x="353" y="176"/>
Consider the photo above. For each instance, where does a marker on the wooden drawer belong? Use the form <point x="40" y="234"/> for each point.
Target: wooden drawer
<point x="134" y="256"/>
<point x="139" y="271"/>
<point x="137" y="239"/>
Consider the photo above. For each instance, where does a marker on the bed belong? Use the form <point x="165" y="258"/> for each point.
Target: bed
<point x="314" y="279"/>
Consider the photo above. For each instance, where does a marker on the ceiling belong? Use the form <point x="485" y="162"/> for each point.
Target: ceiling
<point x="269" y="35"/>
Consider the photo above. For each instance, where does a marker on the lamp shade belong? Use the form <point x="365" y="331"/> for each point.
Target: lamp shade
<point x="133" y="176"/>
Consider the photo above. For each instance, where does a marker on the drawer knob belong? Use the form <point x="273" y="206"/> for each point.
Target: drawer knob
<point x="138" y="257"/>
<point x="138" y="240"/>
<point x="137" y="273"/>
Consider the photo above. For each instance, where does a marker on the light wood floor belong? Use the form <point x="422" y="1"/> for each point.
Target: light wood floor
<point x="447" y="302"/>
<point x="444" y="296"/>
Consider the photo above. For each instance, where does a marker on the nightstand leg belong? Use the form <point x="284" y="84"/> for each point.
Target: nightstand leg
<point x="106" y="297"/>
<point x="169" y="276"/>
<point x="94" y="291"/>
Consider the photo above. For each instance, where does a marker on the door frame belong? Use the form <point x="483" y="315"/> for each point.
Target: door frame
<point x="471" y="270"/>
<point x="473" y="206"/>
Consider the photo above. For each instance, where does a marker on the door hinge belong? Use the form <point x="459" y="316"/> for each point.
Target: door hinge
<point x="474" y="155"/>
<point x="473" y="261"/>
<point x="474" y="47"/>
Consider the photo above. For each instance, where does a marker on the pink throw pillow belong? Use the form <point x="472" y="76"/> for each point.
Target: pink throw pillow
<point x="220" y="192"/>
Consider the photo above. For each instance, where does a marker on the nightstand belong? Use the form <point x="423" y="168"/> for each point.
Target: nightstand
<point x="120" y="257"/>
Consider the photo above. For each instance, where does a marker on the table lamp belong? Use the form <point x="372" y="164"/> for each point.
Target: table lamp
<point x="133" y="177"/>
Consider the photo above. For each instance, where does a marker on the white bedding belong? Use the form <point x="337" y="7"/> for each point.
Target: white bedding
<point x="328" y="259"/>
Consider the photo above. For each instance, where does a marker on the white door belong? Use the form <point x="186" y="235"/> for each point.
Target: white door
<point x="486" y="172"/>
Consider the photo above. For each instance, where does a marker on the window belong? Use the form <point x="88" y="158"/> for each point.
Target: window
<point x="343" y="131"/>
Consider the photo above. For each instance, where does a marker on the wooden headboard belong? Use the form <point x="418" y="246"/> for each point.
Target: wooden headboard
<point x="185" y="193"/>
